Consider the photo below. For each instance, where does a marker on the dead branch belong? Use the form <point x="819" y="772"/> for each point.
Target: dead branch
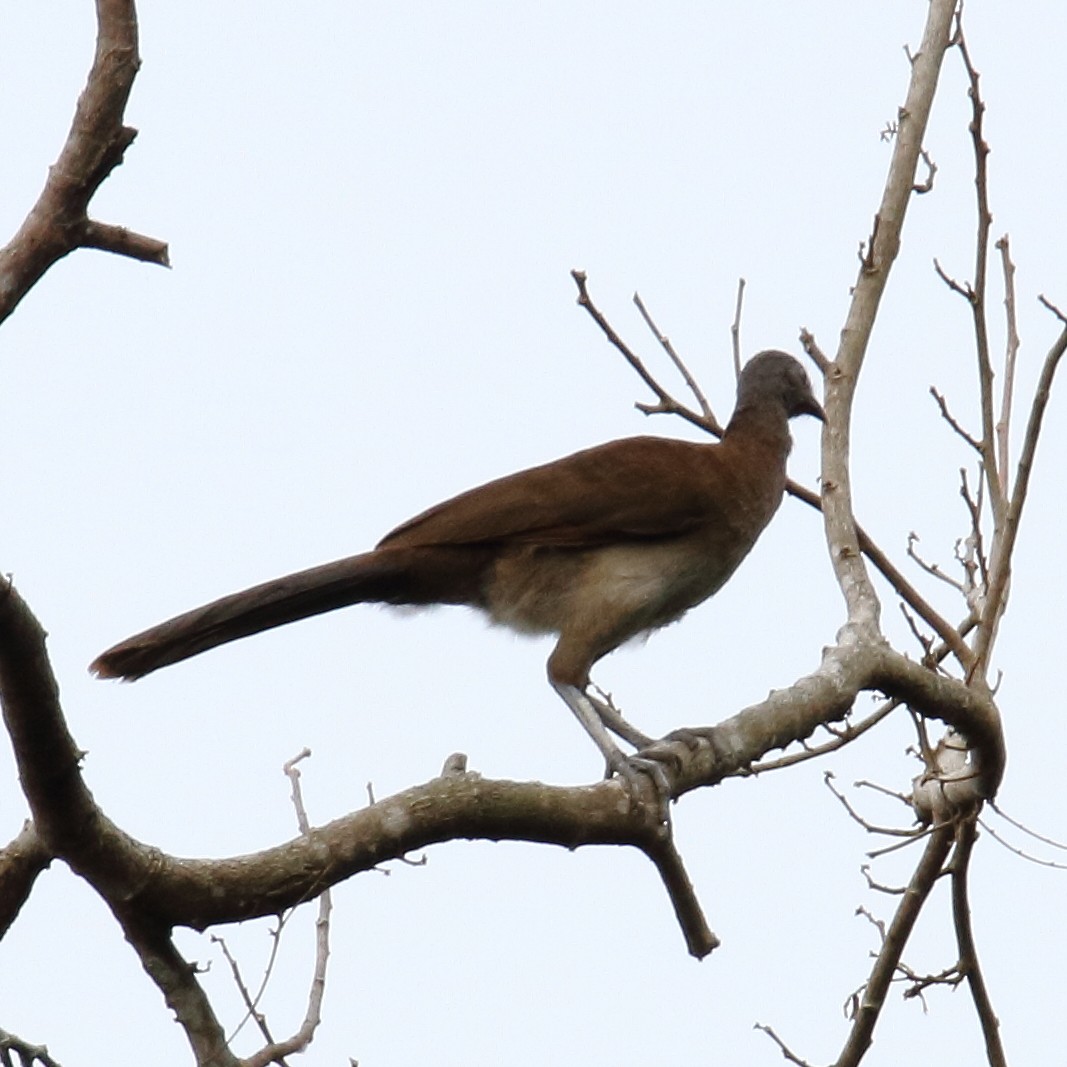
<point x="666" y="403"/>
<point x="1021" y="853"/>
<point x="896" y="936"/>
<point x="969" y="965"/>
<point x="947" y="415"/>
<point x="885" y="831"/>
<point x="679" y="364"/>
<point x="59" y="223"/>
<point x="814" y="352"/>
<point x="785" y="1050"/>
<point x="735" y="328"/>
<point x="1011" y="352"/>
<point x="863" y="607"/>
<point x="21" y="861"/>
<point x="1026" y="829"/>
<point x="28" y="1053"/>
<point x="931" y="172"/>
<point x="977" y="301"/>
<point x="274" y="1051"/>
<point x="1004" y="546"/>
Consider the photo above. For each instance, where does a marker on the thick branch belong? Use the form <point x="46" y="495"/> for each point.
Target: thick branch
<point x="867" y="294"/>
<point x="59" y="222"/>
<point x="20" y="863"/>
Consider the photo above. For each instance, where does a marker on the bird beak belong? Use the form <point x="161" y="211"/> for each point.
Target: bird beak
<point x="813" y="407"/>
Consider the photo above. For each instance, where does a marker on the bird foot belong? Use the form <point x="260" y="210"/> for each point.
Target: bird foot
<point x="675" y="746"/>
<point x="633" y="771"/>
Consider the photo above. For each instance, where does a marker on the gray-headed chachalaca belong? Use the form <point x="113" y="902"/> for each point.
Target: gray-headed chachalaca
<point x="596" y="548"/>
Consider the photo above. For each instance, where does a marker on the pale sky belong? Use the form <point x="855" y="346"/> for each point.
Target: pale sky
<point x="373" y="211"/>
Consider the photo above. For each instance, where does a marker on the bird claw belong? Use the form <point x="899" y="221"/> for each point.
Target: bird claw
<point x="629" y="768"/>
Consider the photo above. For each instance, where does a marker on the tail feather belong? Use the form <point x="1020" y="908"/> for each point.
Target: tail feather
<point x="391" y="576"/>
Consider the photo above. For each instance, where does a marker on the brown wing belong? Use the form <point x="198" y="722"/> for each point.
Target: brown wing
<point x="636" y="488"/>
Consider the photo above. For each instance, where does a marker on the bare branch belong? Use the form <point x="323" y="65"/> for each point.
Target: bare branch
<point x="124" y="242"/>
<point x="981" y="258"/>
<point x="963" y="290"/>
<point x="930" y="568"/>
<point x="814" y="352"/>
<point x="1000" y="564"/>
<point x="1045" y="302"/>
<point x="699" y="938"/>
<point x="969" y="965"/>
<point x="788" y="1053"/>
<point x="59" y="223"/>
<point x="1021" y="853"/>
<point x="299" y="1041"/>
<point x="28" y="1054"/>
<point x="678" y="362"/>
<point x="666" y="403"/>
<point x="885" y="831"/>
<point x="1010" y="355"/>
<point x="21" y="861"/>
<point x="904" y="589"/>
<point x="948" y="417"/>
<point x="1026" y="829"/>
<point x="863" y="606"/>
<point x="973" y="557"/>
<point x="841" y="738"/>
<point x="735" y="327"/>
<point x="896" y="937"/>
<point x="250" y="1000"/>
<point x="931" y="172"/>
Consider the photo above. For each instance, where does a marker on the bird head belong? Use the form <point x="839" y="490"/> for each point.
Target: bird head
<point x="773" y="377"/>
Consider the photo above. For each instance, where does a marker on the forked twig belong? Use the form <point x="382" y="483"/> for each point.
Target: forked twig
<point x="679" y="364"/>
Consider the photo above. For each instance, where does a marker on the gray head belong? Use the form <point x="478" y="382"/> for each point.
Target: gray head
<point x="777" y="378"/>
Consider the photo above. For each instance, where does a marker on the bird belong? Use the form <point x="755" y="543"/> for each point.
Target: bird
<point x="608" y="544"/>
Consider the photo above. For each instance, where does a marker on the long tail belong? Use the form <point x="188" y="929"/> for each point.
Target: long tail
<point x="422" y="575"/>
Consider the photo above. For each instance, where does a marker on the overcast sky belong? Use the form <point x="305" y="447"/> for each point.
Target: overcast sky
<point x="373" y="211"/>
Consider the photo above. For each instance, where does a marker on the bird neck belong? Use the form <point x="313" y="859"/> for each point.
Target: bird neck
<point x="762" y="423"/>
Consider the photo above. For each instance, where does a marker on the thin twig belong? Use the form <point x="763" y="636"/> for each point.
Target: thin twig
<point x="948" y="417"/>
<point x="841" y="738"/>
<point x="814" y="352"/>
<point x="975" y="556"/>
<point x="1014" y="849"/>
<point x="677" y="360"/>
<point x="1011" y="346"/>
<point x="667" y="403"/>
<point x="1025" y="829"/>
<point x="926" y="874"/>
<point x="735" y="327"/>
<point x="903" y="588"/>
<point x="931" y="172"/>
<point x="886" y="831"/>
<point x="930" y="568"/>
<point x="785" y="1050"/>
<point x="1000" y="564"/>
<point x="251" y="1001"/>
<point x="997" y="498"/>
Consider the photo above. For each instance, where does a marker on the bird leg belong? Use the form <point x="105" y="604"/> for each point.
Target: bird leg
<point x="626" y="767"/>
<point x="613" y="719"/>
